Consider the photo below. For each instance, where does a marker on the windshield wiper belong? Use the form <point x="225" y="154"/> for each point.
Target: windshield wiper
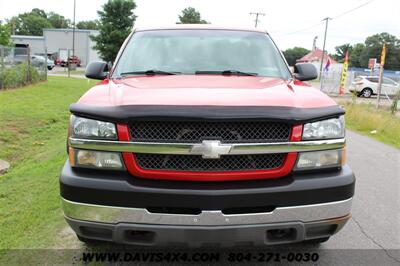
<point x="150" y="72"/>
<point x="226" y="72"/>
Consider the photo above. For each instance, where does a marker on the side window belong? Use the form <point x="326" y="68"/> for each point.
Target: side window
<point x="388" y="81"/>
<point x="375" y="80"/>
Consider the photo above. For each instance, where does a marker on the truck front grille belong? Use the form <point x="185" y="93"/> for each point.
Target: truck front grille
<point x="196" y="132"/>
<point x="196" y="163"/>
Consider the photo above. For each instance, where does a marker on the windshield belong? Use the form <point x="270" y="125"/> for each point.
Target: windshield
<point x="201" y="52"/>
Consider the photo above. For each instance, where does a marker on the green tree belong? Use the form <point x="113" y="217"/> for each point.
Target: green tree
<point x="57" y="21"/>
<point x="292" y="54"/>
<point x="191" y="16"/>
<point x="373" y="49"/>
<point x="88" y="25"/>
<point x="355" y="55"/>
<point x="5" y="34"/>
<point x="30" y="23"/>
<point x="39" y="12"/>
<point x="341" y="52"/>
<point x="116" y="22"/>
<point x="33" y="22"/>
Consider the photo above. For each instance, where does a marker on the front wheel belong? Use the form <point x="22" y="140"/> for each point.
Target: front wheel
<point x="367" y="92"/>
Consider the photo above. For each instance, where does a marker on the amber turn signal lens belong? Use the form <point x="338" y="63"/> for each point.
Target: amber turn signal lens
<point x="71" y="154"/>
<point x="344" y="156"/>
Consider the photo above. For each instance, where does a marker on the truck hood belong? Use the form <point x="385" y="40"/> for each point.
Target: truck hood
<point x="205" y="90"/>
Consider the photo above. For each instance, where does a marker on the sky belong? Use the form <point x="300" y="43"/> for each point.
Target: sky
<point x="290" y="22"/>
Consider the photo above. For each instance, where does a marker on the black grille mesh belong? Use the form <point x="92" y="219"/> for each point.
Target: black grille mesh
<point x="197" y="163"/>
<point x="228" y="132"/>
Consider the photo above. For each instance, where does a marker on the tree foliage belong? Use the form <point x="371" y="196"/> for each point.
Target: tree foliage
<point x="116" y="22"/>
<point x="191" y="16"/>
<point x="292" y="54"/>
<point x="341" y="52"/>
<point x="88" y="25"/>
<point x="33" y="22"/>
<point x="5" y="34"/>
<point x="57" y="21"/>
<point x="30" y="23"/>
<point x="373" y="49"/>
<point x="355" y="54"/>
<point x="359" y="54"/>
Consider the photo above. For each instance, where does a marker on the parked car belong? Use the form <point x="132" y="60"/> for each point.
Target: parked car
<point x="366" y="86"/>
<point x="50" y="64"/>
<point x="201" y="135"/>
<point x="71" y="60"/>
<point x="35" y="60"/>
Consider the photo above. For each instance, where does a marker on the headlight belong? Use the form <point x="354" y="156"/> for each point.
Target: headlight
<point x="89" y="128"/>
<point x="326" y="129"/>
<point x="320" y="159"/>
<point x="95" y="159"/>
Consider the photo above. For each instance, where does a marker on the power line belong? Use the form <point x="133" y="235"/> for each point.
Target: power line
<point x="353" y="9"/>
<point x="335" y="17"/>
<point x="305" y="29"/>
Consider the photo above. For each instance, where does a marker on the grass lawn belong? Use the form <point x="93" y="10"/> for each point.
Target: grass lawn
<point x="33" y="128"/>
<point x="364" y="118"/>
<point x="73" y="72"/>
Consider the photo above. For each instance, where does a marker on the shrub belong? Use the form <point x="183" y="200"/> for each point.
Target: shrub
<point x="16" y="76"/>
<point x="394" y="106"/>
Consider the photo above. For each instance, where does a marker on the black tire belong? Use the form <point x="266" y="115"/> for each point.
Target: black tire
<point x="366" y="92"/>
<point x="316" y="241"/>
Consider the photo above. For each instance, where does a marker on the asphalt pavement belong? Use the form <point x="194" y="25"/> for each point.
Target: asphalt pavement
<point x="375" y="222"/>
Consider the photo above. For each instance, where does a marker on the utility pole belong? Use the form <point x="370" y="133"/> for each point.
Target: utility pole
<point x="73" y="42"/>
<point x="323" y="48"/>
<point x="257" y="15"/>
<point x="314" y="46"/>
<point x="382" y="64"/>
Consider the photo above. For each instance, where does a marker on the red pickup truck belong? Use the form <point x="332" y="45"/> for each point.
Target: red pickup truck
<point x="201" y="136"/>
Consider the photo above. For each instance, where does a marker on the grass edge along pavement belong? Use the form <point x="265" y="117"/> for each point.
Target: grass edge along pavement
<point x="378" y="124"/>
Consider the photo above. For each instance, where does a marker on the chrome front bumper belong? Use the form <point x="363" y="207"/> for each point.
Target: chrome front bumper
<point x="115" y="215"/>
<point x="135" y="226"/>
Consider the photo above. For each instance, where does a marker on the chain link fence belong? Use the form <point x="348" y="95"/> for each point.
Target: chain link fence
<point x="18" y="67"/>
<point x="330" y="83"/>
<point x="330" y="80"/>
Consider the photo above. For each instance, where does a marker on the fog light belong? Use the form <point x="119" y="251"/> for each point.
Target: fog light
<point x="319" y="159"/>
<point x="96" y="159"/>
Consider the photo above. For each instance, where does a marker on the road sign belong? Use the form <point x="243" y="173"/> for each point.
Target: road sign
<point x="371" y="63"/>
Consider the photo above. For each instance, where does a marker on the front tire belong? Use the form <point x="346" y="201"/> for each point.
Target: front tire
<point x="366" y="93"/>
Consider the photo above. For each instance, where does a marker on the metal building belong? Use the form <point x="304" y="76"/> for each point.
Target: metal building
<point x="58" y="42"/>
<point x="36" y="43"/>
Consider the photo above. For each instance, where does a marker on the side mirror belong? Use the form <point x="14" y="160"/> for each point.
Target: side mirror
<point x="97" y="70"/>
<point x="305" y="71"/>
